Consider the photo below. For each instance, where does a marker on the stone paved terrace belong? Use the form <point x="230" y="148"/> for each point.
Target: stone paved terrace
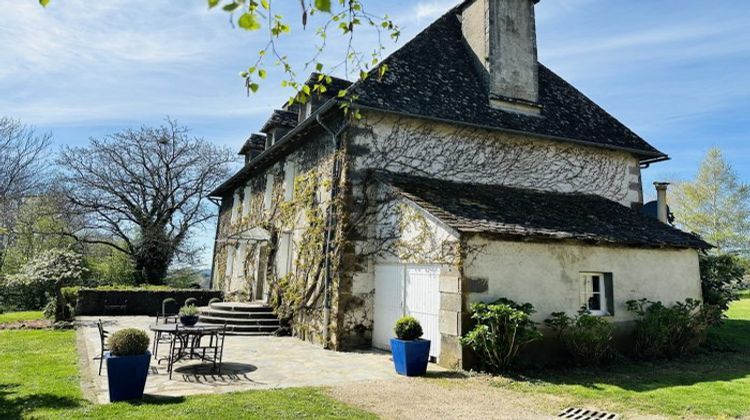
<point x="249" y="363"/>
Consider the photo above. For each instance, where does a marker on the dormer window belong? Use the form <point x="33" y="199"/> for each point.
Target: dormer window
<point x="269" y="139"/>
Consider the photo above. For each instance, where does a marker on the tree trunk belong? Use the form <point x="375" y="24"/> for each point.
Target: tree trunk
<point x="153" y="255"/>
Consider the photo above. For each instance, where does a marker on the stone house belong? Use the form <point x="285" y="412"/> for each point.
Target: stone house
<point x="474" y="173"/>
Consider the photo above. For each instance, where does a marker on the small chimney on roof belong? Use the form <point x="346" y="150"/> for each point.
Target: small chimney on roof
<point x="502" y="35"/>
<point x="662" y="211"/>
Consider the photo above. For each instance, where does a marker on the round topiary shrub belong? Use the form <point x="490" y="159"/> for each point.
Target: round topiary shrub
<point x="214" y="300"/>
<point x="191" y="301"/>
<point x="407" y="329"/>
<point x="128" y="342"/>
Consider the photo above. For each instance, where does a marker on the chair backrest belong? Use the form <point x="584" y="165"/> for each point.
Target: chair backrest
<point x="102" y="332"/>
<point x="169" y="307"/>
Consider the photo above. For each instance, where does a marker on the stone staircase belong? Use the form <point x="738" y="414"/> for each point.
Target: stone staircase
<point x="241" y="318"/>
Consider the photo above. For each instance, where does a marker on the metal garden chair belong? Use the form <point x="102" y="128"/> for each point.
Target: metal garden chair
<point x="103" y="334"/>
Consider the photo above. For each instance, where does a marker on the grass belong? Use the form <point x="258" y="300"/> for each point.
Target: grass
<point x="39" y="379"/>
<point x="713" y="383"/>
<point x="8" y="317"/>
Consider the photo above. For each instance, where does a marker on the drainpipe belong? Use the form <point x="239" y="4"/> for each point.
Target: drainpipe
<point x="330" y="223"/>
<point x="662" y="213"/>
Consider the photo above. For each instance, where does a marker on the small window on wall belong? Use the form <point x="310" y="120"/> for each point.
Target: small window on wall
<point x="235" y="207"/>
<point x="290" y="172"/>
<point x="268" y="195"/>
<point x="284" y="254"/>
<point x="246" y="196"/>
<point x="597" y="293"/>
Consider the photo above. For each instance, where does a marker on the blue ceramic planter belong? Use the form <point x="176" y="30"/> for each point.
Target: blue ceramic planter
<point x="127" y="376"/>
<point x="410" y="357"/>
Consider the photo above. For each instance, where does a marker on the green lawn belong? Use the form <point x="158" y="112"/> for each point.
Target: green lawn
<point x="39" y="379"/>
<point x="708" y="384"/>
<point x="7" y="317"/>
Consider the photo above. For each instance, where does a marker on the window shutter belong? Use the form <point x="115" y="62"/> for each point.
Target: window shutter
<point x="609" y="293"/>
<point x="584" y="288"/>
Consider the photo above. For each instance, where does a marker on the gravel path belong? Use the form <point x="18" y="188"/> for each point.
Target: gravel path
<point x="453" y="396"/>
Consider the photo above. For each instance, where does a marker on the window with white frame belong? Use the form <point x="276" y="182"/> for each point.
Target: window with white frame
<point x="239" y="261"/>
<point x="290" y="172"/>
<point x="235" y="207"/>
<point x="597" y="293"/>
<point x="268" y="195"/>
<point x="230" y="263"/>
<point x="284" y="254"/>
<point x="247" y="195"/>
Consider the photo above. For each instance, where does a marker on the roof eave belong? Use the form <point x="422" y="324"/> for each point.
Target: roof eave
<point x="221" y="190"/>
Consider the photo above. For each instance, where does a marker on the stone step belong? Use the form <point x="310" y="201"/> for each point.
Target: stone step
<point x="258" y="329"/>
<point x="240" y="307"/>
<point x="205" y="311"/>
<point x="249" y="334"/>
<point x="239" y="321"/>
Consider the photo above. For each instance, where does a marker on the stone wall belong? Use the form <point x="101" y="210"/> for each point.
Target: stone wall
<point x="548" y="274"/>
<point x="444" y="151"/>
<point x="412" y="146"/>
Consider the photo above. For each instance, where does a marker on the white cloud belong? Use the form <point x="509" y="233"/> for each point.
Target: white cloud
<point x="431" y="9"/>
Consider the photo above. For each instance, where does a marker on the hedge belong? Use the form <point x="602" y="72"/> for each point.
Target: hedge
<point x="137" y="301"/>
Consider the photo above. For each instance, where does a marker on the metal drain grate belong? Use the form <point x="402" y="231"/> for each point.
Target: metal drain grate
<point x="584" y="414"/>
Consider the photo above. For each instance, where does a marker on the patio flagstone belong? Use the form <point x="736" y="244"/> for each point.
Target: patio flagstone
<point x="262" y="362"/>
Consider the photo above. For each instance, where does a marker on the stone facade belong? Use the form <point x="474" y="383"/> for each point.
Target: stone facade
<point x="376" y="227"/>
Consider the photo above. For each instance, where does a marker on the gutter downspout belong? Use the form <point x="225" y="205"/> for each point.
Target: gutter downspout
<point x="216" y="241"/>
<point x="330" y="223"/>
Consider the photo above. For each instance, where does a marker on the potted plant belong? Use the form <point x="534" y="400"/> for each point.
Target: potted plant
<point x="127" y="364"/>
<point x="410" y="353"/>
<point x="189" y="315"/>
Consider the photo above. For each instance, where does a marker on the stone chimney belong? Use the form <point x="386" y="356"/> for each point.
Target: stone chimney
<point x="502" y="35"/>
<point x="662" y="211"/>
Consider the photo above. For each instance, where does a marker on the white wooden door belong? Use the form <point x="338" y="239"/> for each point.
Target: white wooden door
<point x="407" y="290"/>
<point x="422" y="301"/>
<point x="389" y="292"/>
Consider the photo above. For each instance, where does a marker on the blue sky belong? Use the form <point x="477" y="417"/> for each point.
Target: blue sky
<point x="674" y="71"/>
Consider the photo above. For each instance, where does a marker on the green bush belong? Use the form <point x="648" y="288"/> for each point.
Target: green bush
<point x="191" y="301"/>
<point x="588" y="339"/>
<point x="721" y="279"/>
<point x="128" y="342"/>
<point x="214" y="300"/>
<point x="42" y="278"/>
<point x="189" y="310"/>
<point x="667" y="332"/>
<point x="408" y="328"/>
<point x="502" y="329"/>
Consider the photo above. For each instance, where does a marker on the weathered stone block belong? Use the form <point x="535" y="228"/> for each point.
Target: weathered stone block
<point x="450" y="323"/>
<point x="451" y="302"/>
<point x="451" y="352"/>
<point x="450" y="284"/>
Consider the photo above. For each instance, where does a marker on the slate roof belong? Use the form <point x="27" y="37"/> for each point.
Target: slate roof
<point x="281" y="118"/>
<point x="256" y="142"/>
<point x="435" y="75"/>
<point x="334" y="87"/>
<point x="521" y="214"/>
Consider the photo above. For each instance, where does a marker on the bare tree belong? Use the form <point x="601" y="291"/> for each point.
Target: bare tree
<point x="145" y="188"/>
<point x="22" y="173"/>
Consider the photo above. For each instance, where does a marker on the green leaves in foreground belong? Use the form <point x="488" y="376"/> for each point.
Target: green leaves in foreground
<point x="249" y="21"/>
<point x="323" y="5"/>
<point x="44" y="3"/>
